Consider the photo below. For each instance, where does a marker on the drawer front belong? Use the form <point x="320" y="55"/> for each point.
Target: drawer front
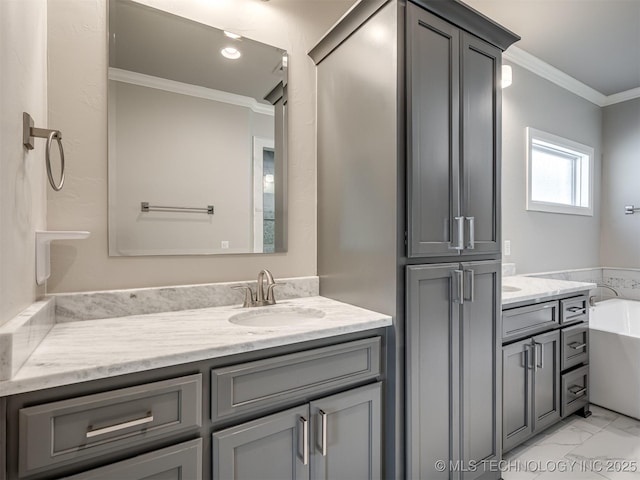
<point x="575" y="390"/>
<point x="524" y="321"/>
<point x="179" y="462"/>
<point x="260" y="385"/>
<point x="575" y="345"/>
<point x="71" y="430"/>
<point x="574" y="310"/>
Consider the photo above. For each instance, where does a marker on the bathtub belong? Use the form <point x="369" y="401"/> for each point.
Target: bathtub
<point x="614" y="357"/>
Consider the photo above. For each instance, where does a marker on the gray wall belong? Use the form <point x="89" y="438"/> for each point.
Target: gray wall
<point x="23" y="88"/>
<point x="78" y="106"/>
<point x="546" y="241"/>
<point x="621" y="185"/>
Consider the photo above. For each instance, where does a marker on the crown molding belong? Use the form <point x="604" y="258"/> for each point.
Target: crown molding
<point x="622" y="96"/>
<point x="543" y="69"/>
<point x="548" y="72"/>
<point x="142" y="80"/>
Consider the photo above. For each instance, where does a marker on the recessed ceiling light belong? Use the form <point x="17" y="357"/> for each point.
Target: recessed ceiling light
<point x="235" y="36"/>
<point x="231" y="53"/>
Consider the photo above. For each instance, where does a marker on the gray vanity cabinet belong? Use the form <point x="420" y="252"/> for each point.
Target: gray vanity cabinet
<point x="517" y="419"/>
<point x="270" y="448"/>
<point x="452" y="323"/>
<point x="178" y="462"/>
<point x="335" y="437"/>
<point x="531" y="387"/>
<point x="546" y="380"/>
<point x="453" y="125"/>
<point x="346" y="435"/>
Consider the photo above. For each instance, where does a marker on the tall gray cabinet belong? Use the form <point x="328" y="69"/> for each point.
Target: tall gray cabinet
<point x="408" y="118"/>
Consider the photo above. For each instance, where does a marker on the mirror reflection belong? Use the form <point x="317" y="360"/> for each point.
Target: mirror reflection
<point x="197" y="137"/>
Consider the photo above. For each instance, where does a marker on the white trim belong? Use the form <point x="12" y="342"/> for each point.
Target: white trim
<point x="543" y="69"/>
<point x="158" y="83"/>
<point x="585" y="150"/>
<point x="622" y="96"/>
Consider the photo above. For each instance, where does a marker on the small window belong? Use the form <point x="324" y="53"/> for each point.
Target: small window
<point x="559" y="174"/>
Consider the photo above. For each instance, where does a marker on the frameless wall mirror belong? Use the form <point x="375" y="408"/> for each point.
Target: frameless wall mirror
<point x="197" y="121"/>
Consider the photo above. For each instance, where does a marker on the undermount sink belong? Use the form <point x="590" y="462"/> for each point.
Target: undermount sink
<point x="276" y="316"/>
<point x="507" y="288"/>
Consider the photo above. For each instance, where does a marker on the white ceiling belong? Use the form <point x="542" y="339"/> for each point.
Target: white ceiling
<point x="594" y="41"/>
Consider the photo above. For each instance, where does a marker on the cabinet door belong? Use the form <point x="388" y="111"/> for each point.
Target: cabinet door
<point x="546" y="379"/>
<point x="432" y="333"/>
<point x="517" y="382"/>
<point x="346" y="435"/>
<point x="274" y="447"/>
<point x="433" y="133"/>
<point x="480" y="375"/>
<point x="480" y="144"/>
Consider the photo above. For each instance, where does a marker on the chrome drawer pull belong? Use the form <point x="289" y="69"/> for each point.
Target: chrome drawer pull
<point x="577" y="346"/>
<point x="577" y="309"/>
<point x="323" y="446"/>
<point x="577" y="390"/>
<point x="120" y="426"/>
<point x="305" y="441"/>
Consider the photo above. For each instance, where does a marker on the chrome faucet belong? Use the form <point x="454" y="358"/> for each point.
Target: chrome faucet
<point x="259" y="298"/>
<point x="592" y="298"/>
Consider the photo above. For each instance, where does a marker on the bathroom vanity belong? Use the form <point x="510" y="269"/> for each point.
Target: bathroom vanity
<point x="545" y="355"/>
<point x="249" y="400"/>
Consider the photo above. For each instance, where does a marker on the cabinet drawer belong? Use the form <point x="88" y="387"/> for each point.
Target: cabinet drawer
<point x="523" y="321"/>
<point x="255" y="386"/>
<point x="575" y="345"/>
<point x="71" y="430"/>
<point x="179" y="462"/>
<point x="575" y="390"/>
<point x="574" y="310"/>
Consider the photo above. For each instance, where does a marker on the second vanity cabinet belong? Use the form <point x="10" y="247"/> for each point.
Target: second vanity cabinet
<point x="545" y="375"/>
<point x="305" y="411"/>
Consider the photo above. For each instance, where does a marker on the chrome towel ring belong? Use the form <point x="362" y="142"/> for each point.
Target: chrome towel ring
<point x="29" y="132"/>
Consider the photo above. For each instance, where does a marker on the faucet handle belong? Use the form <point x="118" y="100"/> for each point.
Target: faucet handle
<point x="249" y="296"/>
<point x="271" y="299"/>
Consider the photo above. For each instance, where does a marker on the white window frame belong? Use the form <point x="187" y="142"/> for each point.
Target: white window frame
<point x="563" y="144"/>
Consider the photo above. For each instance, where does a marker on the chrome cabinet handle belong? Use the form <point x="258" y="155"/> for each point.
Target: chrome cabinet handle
<point x="576" y="309"/>
<point x="305" y="441"/>
<point x="458" y="277"/>
<point x="472" y="233"/>
<point x="534" y="355"/>
<point x="578" y="390"/>
<point x="470" y="286"/>
<point x="459" y="245"/>
<point x="323" y="442"/>
<point x="529" y="353"/>
<point x="577" y="346"/>
<point x="119" y="426"/>
<point x="535" y="346"/>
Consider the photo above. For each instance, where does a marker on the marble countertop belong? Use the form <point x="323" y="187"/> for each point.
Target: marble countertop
<point x="79" y="351"/>
<point x="538" y="289"/>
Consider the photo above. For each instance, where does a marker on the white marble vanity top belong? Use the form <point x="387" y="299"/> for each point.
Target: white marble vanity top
<point x="79" y="351"/>
<point x="538" y="289"/>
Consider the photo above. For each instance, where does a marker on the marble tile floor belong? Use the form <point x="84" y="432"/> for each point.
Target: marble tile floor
<point x="603" y="446"/>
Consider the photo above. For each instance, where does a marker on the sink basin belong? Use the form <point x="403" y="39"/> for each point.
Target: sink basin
<point x="276" y="316"/>
<point x="507" y="288"/>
